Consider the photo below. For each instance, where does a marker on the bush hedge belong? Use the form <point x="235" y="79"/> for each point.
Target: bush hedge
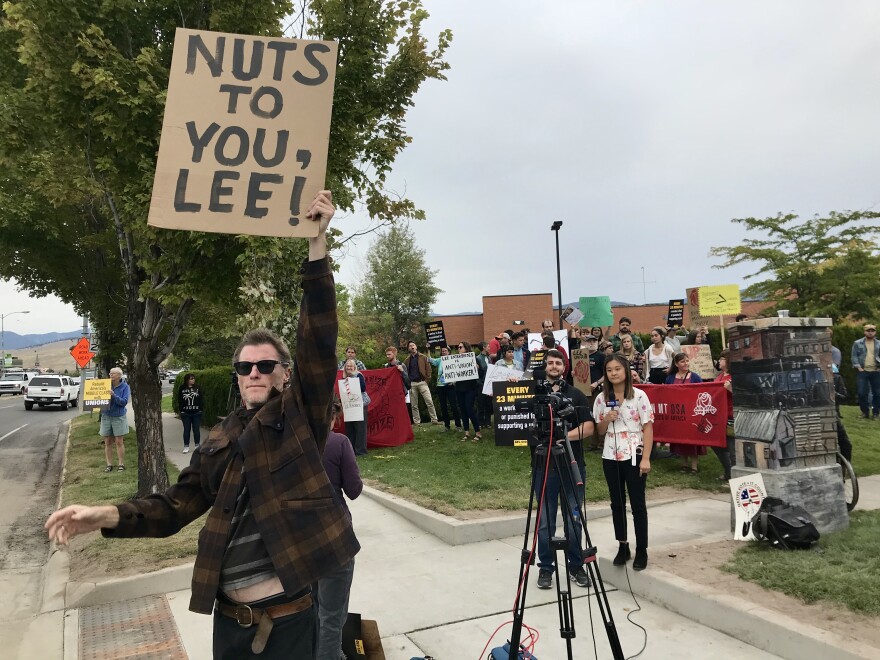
<point x="215" y="384"/>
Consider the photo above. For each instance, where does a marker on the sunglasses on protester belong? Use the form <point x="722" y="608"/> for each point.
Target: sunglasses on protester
<point x="265" y="367"/>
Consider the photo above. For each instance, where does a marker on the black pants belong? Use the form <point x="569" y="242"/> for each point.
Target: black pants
<point x="291" y="637"/>
<point x="447" y="398"/>
<point x="484" y="408"/>
<point x="843" y="441"/>
<point x="623" y="477"/>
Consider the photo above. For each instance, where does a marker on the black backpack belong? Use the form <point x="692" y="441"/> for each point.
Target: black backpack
<point x="784" y="525"/>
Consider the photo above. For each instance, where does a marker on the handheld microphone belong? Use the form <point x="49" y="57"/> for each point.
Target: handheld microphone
<point x="612" y="404"/>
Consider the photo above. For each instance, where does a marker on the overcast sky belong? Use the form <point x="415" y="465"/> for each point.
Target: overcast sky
<point x="643" y="126"/>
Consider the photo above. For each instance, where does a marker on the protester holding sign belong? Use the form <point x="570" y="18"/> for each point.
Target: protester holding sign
<point x="624" y="415"/>
<point x="727" y="455"/>
<point x="114" y="423"/>
<point x="682" y="374"/>
<point x="445" y="392"/>
<point x="467" y="391"/>
<point x="357" y="430"/>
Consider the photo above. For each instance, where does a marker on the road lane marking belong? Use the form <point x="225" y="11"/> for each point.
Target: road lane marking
<point x="2" y="438"/>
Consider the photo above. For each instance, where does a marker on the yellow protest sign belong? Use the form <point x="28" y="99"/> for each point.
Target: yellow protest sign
<point x="721" y="300"/>
<point x="96" y="393"/>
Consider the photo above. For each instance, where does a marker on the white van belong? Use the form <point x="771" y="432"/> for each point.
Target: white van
<point x="14" y="382"/>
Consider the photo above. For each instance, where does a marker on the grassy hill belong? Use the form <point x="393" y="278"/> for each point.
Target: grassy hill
<point x="54" y="356"/>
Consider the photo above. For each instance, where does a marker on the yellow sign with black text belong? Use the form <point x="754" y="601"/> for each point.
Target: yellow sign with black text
<point x="721" y="300"/>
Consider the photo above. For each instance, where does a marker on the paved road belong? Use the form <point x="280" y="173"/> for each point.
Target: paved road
<point x="31" y="451"/>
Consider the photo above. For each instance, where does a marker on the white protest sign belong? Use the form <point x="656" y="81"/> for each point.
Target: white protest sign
<point x="496" y="373"/>
<point x="748" y="492"/>
<point x="245" y="134"/>
<point x="572" y="315"/>
<point x="536" y="343"/>
<point x="352" y="400"/>
<point x="459" y="367"/>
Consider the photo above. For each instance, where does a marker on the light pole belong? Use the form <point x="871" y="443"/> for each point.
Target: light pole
<point x="556" y="226"/>
<point x="3" y="336"/>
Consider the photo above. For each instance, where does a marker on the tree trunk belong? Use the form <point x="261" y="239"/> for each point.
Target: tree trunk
<point x="146" y="393"/>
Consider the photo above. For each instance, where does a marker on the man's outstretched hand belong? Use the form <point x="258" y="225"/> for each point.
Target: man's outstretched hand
<point x="76" y="519"/>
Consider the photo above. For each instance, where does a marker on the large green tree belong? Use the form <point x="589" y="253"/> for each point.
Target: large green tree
<point x="82" y="91"/>
<point x="398" y="289"/>
<point x="823" y="266"/>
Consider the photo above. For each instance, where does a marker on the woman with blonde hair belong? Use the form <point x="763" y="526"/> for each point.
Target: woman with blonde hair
<point x="636" y="360"/>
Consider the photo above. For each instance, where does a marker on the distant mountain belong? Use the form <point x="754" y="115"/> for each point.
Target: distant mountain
<point x="14" y="341"/>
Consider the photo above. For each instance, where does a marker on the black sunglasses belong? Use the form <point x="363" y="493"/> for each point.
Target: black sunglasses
<point x="265" y="367"/>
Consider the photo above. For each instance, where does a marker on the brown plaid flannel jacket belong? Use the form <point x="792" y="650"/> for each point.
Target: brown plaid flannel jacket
<point x="303" y="524"/>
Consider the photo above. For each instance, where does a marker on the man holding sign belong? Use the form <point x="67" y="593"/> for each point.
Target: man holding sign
<point x="275" y="526"/>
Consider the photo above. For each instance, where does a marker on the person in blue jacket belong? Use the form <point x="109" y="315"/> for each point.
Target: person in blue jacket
<point x="114" y="424"/>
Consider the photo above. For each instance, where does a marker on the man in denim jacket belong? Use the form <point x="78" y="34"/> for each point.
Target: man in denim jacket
<point x="866" y="361"/>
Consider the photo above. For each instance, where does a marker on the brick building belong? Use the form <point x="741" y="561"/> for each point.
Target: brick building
<point x="528" y="310"/>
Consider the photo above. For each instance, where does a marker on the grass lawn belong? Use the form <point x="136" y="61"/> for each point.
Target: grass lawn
<point x="865" y="437"/>
<point x="85" y="482"/>
<point x="167" y="403"/>
<point x="440" y="472"/>
<point x="847" y="571"/>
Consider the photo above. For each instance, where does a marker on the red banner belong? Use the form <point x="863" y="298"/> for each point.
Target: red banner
<point x="692" y="414"/>
<point x="387" y="417"/>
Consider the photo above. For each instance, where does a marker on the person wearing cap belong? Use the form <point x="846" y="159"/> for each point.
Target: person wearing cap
<point x="504" y="342"/>
<point x="866" y="362"/>
<point x="501" y="339"/>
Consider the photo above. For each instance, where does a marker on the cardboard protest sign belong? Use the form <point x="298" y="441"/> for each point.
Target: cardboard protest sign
<point x="597" y="311"/>
<point x="497" y="373"/>
<point x="96" y="393"/>
<point x="572" y="315"/>
<point x="245" y="134"/>
<point x="722" y="300"/>
<point x="435" y="333"/>
<point x="748" y="493"/>
<point x="459" y="367"/>
<point x="693" y="305"/>
<point x="352" y="400"/>
<point x="675" y="314"/>
<point x="512" y="427"/>
<point x="580" y="370"/>
<point x="700" y="356"/>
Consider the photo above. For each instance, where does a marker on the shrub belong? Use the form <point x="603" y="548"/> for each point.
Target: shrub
<point x="215" y="384"/>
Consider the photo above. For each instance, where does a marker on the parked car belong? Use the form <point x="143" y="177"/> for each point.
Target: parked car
<point x="51" y="390"/>
<point x="172" y="374"/>
<point x="14" y="382"/>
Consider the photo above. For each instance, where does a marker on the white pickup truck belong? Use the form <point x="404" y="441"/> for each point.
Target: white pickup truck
<point x="14" y="382"/>
<point x="51" y="390"/>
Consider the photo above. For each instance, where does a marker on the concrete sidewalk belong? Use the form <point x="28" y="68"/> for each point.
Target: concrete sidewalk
<point x="445" y="598"/>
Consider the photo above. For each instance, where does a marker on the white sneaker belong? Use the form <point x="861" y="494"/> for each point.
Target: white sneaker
<point x="186" y="450"/>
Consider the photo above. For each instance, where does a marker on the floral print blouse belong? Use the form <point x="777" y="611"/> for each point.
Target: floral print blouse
<point x="624" y="436"/>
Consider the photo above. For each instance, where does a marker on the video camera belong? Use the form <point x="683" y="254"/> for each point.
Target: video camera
<point x="554" y="413"/>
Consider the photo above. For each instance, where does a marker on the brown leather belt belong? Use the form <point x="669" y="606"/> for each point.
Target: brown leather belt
<point x="247" y="616"/>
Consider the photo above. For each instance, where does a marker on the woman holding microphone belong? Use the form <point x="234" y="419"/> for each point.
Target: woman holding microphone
<point x="624" y="415"/>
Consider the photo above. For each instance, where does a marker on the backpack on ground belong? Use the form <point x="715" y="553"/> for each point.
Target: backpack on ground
<point x="784" y="525"/>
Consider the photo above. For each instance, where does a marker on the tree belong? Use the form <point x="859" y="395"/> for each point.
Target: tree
<point x="82" y="86"/>
<point x="398" y="289"/>
<point x="825" y="266"/>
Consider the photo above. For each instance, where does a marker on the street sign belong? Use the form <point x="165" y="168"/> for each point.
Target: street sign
<point x="81" y="353"/>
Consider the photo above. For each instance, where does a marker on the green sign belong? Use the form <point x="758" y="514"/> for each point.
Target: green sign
<point x="597" y="312"/>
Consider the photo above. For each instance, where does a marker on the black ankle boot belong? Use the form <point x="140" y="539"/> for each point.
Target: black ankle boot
<point x="623" y="555"/>
<point x="641" y="560"/>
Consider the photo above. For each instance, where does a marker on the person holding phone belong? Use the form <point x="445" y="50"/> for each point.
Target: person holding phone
<point x="623" y="414"/>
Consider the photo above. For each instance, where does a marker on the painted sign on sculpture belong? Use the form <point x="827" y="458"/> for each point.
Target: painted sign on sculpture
<point x="245" y="134"/>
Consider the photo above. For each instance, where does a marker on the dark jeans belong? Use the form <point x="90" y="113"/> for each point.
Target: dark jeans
<point x="547" y="528"/>
<point x="484" y="409"/>
<point x="291" y="637"/>
<point x="843" y="441"/>
<point x="357" y="434"/>
<point x="868" y="389"/>
<point x="446" y="395"/>
<point x="332" y="592"/>
<point x="194" y="422"/>
<point x="623" y="477"/>
<point x="466" y="400"/>
<point x="727" y="455"/>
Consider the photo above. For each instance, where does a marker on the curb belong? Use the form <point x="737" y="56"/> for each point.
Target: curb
<point x="768" y="630"/>
<point x="166" y="580"/>
<point x="56" y="572"/>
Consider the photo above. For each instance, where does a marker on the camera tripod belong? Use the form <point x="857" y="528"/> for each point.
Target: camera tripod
<point x="559" y="455"/>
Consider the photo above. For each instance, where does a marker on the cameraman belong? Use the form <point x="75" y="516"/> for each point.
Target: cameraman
<point x="583" y="428"/>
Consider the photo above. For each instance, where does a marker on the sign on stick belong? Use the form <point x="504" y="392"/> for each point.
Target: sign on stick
<point x="435" y="333"/>
<point x="597" y="311"/>
<point x="96" y="393"/>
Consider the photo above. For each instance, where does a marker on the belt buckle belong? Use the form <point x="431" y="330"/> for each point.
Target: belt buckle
<point x="241" y="609"/>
